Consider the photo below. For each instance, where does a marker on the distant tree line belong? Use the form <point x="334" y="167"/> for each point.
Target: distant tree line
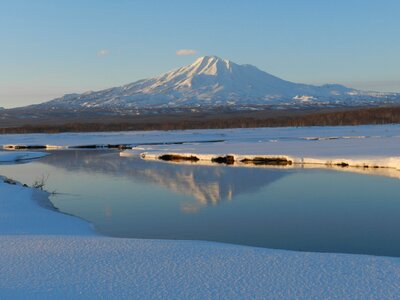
<point x="360" y="116"/>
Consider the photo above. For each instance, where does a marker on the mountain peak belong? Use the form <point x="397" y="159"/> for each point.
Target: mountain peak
<point x="208" y="58"/>
<point x="211" y="65"/>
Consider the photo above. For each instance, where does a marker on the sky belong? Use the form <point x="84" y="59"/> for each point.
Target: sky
<point x="49" y="48"/>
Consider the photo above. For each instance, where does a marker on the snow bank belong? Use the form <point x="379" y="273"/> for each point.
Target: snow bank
<point x="20" y="215"/>
<point x="349" y="161"/>
<point x="45" y="254"/>
<point x="93" y="268"/>
<point x="331" y="147"/>
<point x="354" y="146"/>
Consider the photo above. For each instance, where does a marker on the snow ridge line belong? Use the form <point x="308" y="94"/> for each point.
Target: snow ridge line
<point x="240" y="159"/>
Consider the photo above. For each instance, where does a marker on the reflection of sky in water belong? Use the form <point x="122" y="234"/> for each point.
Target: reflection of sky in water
<point x="314" y="210"/>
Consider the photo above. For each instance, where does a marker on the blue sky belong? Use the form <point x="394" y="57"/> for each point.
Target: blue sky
<point x="49" y="48"/>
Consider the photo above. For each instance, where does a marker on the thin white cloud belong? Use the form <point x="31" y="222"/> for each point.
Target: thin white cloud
<point x="182" y="52"/>
<point x="103" y="52"/>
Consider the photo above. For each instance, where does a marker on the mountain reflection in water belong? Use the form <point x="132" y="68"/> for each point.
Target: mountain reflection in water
<point x="209" y="185"/>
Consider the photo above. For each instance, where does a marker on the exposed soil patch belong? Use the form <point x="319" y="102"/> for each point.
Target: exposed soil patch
<point x="342" y="164"/>
<point x="174" y="157"/>
<point x="129" y="146"/>
<point x="9" y="181"/>
<point x="372" y="167"/>
<point x="269" y="161"/>
<point x="24" y="147"/>
<point x="228" y="159"/>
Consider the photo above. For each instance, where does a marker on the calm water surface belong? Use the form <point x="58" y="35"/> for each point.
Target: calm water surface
<point x="297" y="209"/>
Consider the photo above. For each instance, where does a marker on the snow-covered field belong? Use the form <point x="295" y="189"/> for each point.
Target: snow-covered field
<point x="47" y="254"/>
<point x="367" y="147"/>
<point x="358" y="152"/>
<point x="255" y="135"/>
<point x="353" y="145"/>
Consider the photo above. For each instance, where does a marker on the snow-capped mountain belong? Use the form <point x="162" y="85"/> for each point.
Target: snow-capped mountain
<point x="211" y="81"/>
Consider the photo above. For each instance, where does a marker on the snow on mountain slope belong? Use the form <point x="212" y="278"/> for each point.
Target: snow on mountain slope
<point x="209" y="81"/>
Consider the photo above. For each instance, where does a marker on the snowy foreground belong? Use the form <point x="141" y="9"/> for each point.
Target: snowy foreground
<point x="47" y="254"/>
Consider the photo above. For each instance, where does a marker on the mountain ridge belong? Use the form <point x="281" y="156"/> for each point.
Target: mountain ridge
<point x="213" y="81"/>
